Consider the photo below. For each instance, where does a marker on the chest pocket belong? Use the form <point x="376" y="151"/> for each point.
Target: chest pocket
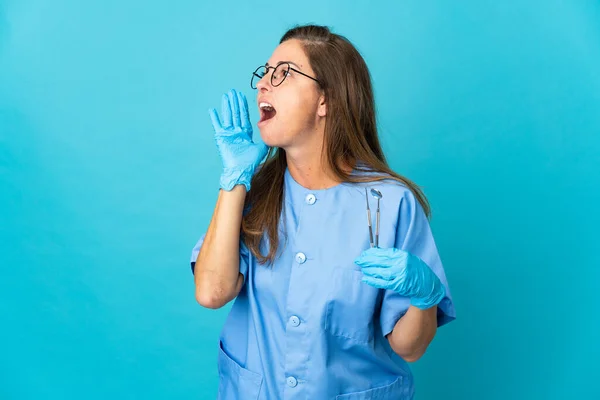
<point x="351" y="305"/>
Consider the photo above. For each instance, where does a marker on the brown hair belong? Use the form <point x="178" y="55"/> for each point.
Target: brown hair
<point x="350" y="135"/>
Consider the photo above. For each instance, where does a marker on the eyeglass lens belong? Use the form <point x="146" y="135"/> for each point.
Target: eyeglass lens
<point x="277" y="77"/>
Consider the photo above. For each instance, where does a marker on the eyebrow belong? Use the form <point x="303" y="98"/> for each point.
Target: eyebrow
<point x="281" y="62"/>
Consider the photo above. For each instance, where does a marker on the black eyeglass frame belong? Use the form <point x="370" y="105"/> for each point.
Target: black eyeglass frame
<point x="268" y="67"/>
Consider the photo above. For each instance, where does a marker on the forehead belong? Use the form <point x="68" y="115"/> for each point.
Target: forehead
<point x="290" y="50"/>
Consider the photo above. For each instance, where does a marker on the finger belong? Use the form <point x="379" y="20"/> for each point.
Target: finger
<point x="214" y="118"/>
<point x="226" y="112"/>
<point x="370" y="254"/>
<point x="376" y="282"/>
<point x="263" y="150"/>
<point x="235" y="108"/>
<point x="370" y="259"/>
<point x="244" y="116"/>
<point x="379" y="256"/>
<point x="377" y="272"/>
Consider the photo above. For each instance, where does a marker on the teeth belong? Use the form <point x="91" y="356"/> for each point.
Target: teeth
<point x="266" y="106"/>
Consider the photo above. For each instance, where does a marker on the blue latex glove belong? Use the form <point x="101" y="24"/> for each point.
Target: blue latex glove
<point x="239" y="154"/>
<point x="402" y="272"/>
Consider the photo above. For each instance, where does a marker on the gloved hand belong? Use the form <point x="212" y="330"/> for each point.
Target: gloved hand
<point x="402" y="272"/>
<point x="239" y="154"/>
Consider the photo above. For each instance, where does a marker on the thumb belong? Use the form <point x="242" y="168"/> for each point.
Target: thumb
<point x="262" y="150"/>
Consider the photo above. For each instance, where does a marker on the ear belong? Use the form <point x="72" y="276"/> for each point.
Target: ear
<point x="322" y="108"/>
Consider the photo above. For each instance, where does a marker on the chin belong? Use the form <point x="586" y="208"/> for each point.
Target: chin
<point x="270" y="139"/>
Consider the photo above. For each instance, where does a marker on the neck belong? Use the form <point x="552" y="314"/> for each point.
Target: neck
<point x="311" y="170"/>
<point x="312" y="174"/>
<point x="307" y="165"/>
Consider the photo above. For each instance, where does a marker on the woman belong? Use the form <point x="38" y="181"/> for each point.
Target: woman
<point x="319" y="311"/>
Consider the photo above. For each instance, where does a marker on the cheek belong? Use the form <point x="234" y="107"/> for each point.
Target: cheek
<point x="298" y="109"/>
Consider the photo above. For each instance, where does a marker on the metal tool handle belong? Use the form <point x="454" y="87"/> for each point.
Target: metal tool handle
<point x="370" y="227"/>
<point x="377" y="230"/>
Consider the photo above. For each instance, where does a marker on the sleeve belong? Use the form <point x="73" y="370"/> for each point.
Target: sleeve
<point x="413" y="234"/>
<point x="244" y="256"/>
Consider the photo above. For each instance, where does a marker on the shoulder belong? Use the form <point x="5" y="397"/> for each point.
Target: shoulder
<point x="394" y="188"/>
<point x="399" y="199"/>
<point x="393" y="191"/>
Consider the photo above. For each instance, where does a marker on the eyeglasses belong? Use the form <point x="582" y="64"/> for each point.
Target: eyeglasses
<point x="279" y="74"/>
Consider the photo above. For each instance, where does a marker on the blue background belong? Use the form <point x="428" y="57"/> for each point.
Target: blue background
<point x="109" y="174"/>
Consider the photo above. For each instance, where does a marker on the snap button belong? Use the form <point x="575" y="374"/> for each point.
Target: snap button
<point x="300" y="258"/>
<point x="291" y="381"/>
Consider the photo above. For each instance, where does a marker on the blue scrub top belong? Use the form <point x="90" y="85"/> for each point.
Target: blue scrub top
<point x="306" y="327"/>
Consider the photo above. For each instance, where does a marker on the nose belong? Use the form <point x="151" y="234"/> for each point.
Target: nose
<point x="264" y="83"/>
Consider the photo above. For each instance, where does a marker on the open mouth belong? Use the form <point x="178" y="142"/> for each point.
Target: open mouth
<point x="267" y="111"/>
